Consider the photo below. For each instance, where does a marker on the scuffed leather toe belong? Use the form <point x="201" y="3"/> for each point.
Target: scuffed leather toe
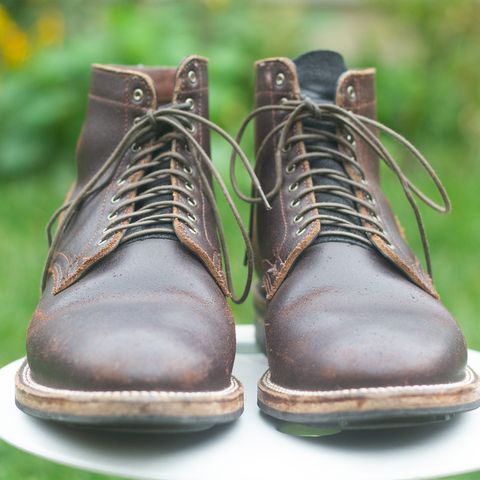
<point x="128" y="334"/>
<point x="343" y="320"/>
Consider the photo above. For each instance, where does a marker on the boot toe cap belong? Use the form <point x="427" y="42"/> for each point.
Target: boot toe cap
<point x="165" y="346"/>
<point x="345" y="317"/>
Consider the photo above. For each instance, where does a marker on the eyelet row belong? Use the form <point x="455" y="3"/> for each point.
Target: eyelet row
<point x="375" y="216"/>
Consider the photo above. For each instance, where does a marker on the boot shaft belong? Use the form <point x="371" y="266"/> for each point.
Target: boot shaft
<point x="282" y="234"/>
<point x="119" y="98"/>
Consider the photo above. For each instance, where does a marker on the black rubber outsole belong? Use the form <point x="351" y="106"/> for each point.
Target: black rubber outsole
<point x="371" y="420"/>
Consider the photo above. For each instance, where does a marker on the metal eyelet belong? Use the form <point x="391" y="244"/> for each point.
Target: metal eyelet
<point x="191" y="217"/>
<point x="300" y="231"/>
<point x="101" y="242"/>
<point x="352" y="94"/>
<point x="114" y="199"/>
<point x="350" y="139"/>
<point x="192" y="76"/>
<point x="297" y="218"/>
<point x="192" y="128"/>
<point x="280" y="79"/>
<point x="193" y="230"/>
<point x="137" y="120"/>
<point x="137" y="95"/>
<point x="189" y="186"/>
<point x="292" y="187"/>
<point x="291" y="168"/>
<point x="375" y="216"/>
<point x="390" y="245"/>
<point x="112" y="215"/>
<point x="284" y="100"/>
<point x="188" y="170"/>
<point x="136" y="148"/>
<point x="363" y="181"/>
<point x="120" y="182"/>
<point x="191" y="201"/>
<point x="190" y="102"/>
<point x="295" y="203"/>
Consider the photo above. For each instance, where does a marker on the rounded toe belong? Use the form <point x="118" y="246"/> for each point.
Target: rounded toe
<point x="163" y="345"/>
<point x="353" y="342"/>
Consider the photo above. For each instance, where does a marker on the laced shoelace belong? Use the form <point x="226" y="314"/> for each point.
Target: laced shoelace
<point x="147" y="177"/>
<point x="319" y="141"/>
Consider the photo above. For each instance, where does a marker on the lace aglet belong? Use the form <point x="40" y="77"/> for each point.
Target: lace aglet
<point x="266" y="203"/>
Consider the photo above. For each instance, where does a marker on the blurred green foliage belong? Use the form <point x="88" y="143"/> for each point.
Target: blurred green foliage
<point x="435" y="94"/>
<point x="425" y="52"/>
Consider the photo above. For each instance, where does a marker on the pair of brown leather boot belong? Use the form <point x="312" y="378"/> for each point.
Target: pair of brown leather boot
<point x="134" y="330"/>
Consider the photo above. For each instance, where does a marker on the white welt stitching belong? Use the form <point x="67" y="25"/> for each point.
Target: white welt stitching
<point x="407" y="389"/>
<point x="150" y="394"/>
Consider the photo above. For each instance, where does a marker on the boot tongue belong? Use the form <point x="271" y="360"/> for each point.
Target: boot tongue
<point x="318" y="73"/>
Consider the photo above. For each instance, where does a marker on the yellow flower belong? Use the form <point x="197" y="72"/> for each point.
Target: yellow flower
<point x="50" y="29"/>
<point x="16" y="48"/>
<point x="14" y="43"/>
<point x="5" y="24"/>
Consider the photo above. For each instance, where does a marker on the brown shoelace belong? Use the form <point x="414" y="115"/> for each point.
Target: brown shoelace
<point x="148" y="178"/>
<point x="349" y="124"/>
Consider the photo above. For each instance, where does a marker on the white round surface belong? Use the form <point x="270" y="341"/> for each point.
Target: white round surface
<point x="250" y="448"/>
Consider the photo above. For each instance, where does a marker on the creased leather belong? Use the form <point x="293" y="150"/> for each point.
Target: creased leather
<point x="147" y="317"/>
<point x="344" y="315"/>
<point x="145" y="314"/>
<point x="280" y="245"/>
<point x="364" y="104"/>
<point x="110" y="114"/>
<point x="204" y="242"/>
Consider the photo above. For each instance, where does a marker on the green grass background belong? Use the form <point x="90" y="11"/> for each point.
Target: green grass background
<point x="426" y="54"/>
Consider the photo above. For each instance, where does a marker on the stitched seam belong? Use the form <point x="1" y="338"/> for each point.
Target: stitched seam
<point x="74" y="260"/>
<point x="201" y="138"/>
<point x="27" y="379"/>
<point x="469" y="379"/>
<point x="68" y="277"/>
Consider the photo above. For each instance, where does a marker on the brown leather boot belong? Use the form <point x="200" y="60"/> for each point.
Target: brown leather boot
<point x="133" y="329"/>
<point x="355" y="332"/>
